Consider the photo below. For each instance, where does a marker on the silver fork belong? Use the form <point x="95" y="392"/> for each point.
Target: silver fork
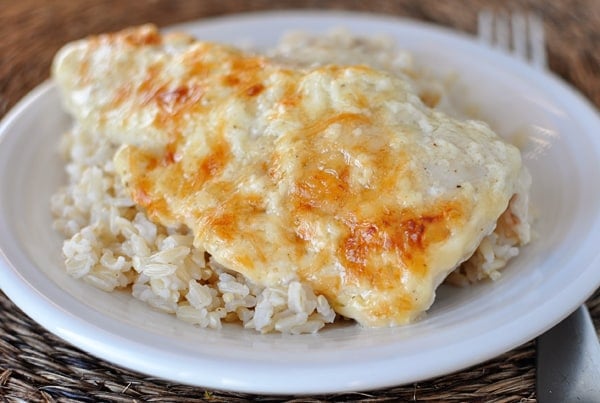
<point x="568" y="355"/>
<point x="522" y="35"/>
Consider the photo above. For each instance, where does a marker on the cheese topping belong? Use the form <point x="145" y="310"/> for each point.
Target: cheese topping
<point x="336" y="175"/>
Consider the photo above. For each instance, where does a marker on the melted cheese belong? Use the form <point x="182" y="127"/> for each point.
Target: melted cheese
<point x="336" y="175"/>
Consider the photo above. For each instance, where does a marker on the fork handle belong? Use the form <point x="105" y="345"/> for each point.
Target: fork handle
<point x="568" y="361"/>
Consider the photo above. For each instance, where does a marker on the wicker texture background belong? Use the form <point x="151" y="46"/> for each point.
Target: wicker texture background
<point x="37" y="366"/>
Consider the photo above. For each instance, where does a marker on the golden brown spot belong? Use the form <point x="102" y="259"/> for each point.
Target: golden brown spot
<point x="247" y="67"/>
<point x="214" y="163"/>
<point x="322" y="188"/>
<point x="141" y="37"/>
<point x="151" y="163"/>
<point x="273" y="167"/>
<point x="149" y="86"/>
<point x="227" y="221"/>
<point x="358" y="246"/>
<point x="255" y="90"/>
<point x="158" y="209"/>
<point x="144" y="195"/>
<point x="141" y="196"/>
<point x="324" y="183"/>
<point x="185" y="184"/>
<point x="169" y="155"/>
<point x="405" y="235"/>
<point x="172" y="101"/>
<point x="291" y="96"/>
<point x="291" y="101"/>
<point x="135" y="37"/>
<point x="244" y="72"/>
<point x="245" y="261"/>
<point x="243" y="78"/>
<point x="221" y="223"/>
<point x="345" y="119"/>
<point x="122" y="94"/>
<point x="197" y="67"/>
<point x="430" y="98"/>
<point x="179" y="99"/>
<point x="231" y="80"/>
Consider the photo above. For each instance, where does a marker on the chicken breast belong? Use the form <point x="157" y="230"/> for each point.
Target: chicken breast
<point x="338" y="175"/>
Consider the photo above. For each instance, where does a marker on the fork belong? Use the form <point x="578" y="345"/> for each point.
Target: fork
<point x="522" y="35"/>
<point x="568" y="355"/>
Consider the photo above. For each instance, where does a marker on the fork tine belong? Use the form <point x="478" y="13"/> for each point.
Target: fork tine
<point x="485" y="22"/>
<point x="519" y="35"/>
<point x="537" y="41"/>
<point x="502" y="32"/>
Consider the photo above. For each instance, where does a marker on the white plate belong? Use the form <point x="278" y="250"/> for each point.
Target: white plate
<point x="551" y="277"/>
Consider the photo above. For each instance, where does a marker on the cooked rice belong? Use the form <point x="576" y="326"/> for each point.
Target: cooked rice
<point x="111" y="244"/>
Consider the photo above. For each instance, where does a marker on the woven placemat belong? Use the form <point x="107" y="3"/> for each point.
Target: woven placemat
<point x="37" y="366"/>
